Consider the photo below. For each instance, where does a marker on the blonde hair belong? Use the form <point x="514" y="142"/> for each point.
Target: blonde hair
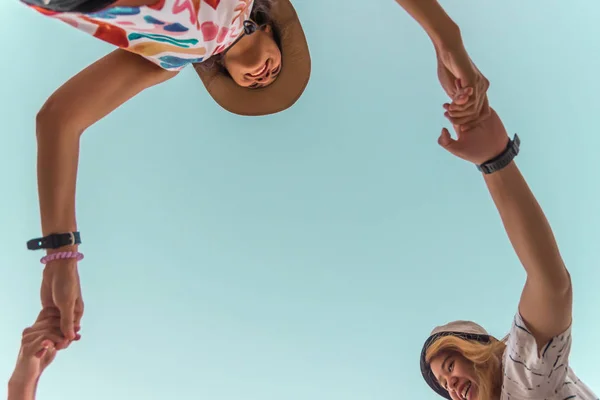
<point x="486" y="359"/>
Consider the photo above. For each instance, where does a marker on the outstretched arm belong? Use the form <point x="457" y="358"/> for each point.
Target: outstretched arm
<point x="454" y="63"/>
<point x="21" y="391"/>
<point x="38" y="350"/>
<point x="432" y="18"/>
<point x="546" y="301"/>
<point x="82" y="101"/>
<point x="85" y="99"/>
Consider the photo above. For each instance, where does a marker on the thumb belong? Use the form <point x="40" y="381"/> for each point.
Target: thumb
<point x="67" y="319"/>
<point x="445" y="140"/>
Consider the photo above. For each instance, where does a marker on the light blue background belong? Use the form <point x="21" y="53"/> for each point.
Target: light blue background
<point x="307" y="254"/>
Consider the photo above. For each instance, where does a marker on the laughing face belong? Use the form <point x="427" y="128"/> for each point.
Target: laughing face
<point x="255" y="60"/>
<point x="456" y="374"/>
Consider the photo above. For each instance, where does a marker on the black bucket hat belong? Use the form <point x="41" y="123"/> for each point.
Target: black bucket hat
<point x="466" y="330"/>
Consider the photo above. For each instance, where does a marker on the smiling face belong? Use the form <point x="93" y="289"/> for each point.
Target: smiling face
<point x="255" y="60"/>
<point x="456" y="374"/>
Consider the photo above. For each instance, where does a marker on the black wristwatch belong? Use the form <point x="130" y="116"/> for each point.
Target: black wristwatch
<point x="55" y="241"/>
<point x="505" y="158"/>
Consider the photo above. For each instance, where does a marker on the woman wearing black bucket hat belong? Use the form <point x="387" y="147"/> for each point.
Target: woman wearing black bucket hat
<point x="460" y="360"/>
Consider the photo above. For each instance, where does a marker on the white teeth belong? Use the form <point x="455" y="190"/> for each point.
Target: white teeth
<point x="466" y="391"/>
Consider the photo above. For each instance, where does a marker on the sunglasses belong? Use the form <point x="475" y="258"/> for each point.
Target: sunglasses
<point x="250" y="27"/>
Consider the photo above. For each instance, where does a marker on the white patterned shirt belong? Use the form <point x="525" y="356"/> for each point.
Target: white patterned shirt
<point x="547" y="377"/>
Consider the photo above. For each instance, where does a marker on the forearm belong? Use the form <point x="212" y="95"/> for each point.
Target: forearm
<point x="81" y="102"/>
<point x="58" y="155"/>
<point x="433" y="19"/>
<point x="526" y="226"/>
<point x="21" y="391"/>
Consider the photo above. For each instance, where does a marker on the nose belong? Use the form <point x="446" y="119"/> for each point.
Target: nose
<point x="452" y="383"/>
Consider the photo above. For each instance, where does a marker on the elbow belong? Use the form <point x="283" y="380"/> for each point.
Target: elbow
<point x="567" y="287"/>
<point x="555" y="281"/>
<point x="54" y="119"/>
<point x="561" y="284"/>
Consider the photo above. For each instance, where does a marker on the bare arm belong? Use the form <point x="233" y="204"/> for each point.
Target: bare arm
<point x="546" y="301"/>
<point x="85" y="99"/>
<point x="19" y="391"/>
<point x="433" y="19"/>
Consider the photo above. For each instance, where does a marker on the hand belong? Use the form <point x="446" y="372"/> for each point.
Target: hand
<point x="463" y="83"/>
<point x="483" y="142"/>
<point x="61" y="291"/>
<point x="38" y="349"/>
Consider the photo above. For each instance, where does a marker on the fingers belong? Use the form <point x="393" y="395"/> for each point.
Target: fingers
<point x="42" y="342"/>
<point x="42" y="325"/>
<point x="462" y="96"/>
<point x="469" y="116"/>
<point x="458" y="121"/>
<point x="469" y="108"/>
<point x="49" y="329"/>
<point x="485" y="114"/>
<point x="477" y="95"/>
<point x="51" y="322"/>
<point x="48" y="312"/>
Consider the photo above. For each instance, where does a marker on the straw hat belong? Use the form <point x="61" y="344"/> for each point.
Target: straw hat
<point x="466" y="330"/>
<point x="285" y="90"/>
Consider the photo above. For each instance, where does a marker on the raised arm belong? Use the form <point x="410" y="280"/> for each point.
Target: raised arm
<point x="546" y="301"/>
<point x="82" y="101"/>
<point x="469" y="106"/>
<point x="432" y="18"/>
<point x="38" y="350"/>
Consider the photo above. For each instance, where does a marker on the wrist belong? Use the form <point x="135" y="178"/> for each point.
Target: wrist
<point x="71" y="248"/>
<point x="505" y="174"/>
<point x="497" y="149"/>
<point x="503" y="159"/>
<point x="20" y="383"/>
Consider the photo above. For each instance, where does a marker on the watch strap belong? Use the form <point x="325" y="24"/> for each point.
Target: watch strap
<point x="55" y="241"/>
<point x="502" y="160"/>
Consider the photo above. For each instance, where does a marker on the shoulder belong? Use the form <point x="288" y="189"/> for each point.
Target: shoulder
<point x="532" y="370"/>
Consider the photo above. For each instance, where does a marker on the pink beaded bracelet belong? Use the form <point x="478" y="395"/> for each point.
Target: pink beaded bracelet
<point x="62" y="256"/>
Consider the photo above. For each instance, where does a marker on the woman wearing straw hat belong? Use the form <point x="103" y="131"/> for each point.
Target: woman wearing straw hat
<point x="460" y="360"/>
<point x="252" y="57"/>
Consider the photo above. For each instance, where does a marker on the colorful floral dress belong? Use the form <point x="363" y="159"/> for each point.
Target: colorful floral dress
<point x="170" y="33"/>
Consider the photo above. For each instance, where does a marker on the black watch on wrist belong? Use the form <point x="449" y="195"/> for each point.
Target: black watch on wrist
<point x="55" y="241"/>
<point x="505" y="158"/>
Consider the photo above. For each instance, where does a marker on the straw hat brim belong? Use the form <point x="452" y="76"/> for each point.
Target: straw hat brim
<point x="285" y="90"/>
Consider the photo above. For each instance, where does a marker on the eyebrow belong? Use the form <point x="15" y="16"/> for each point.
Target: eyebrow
<point x="443" y="367"/>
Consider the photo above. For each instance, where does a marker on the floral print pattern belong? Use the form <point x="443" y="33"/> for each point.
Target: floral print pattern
<point x="170" y="33"/>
